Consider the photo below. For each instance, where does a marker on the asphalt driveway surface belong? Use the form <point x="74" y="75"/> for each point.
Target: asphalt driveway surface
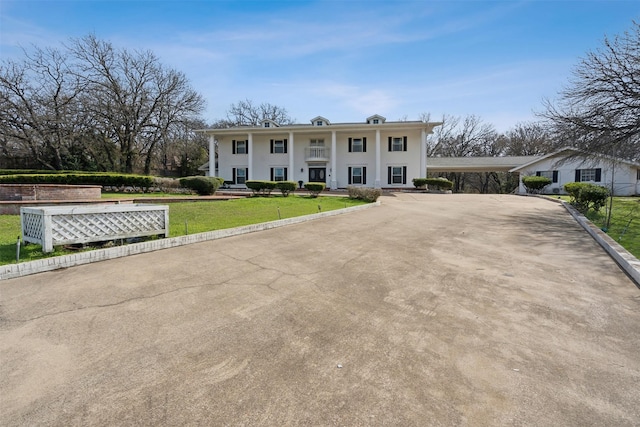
<point x="427" y="310"/>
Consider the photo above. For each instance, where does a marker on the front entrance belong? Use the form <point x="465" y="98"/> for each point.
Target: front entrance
<point x="317" y="174"/>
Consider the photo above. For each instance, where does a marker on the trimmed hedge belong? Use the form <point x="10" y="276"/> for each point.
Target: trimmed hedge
<point x="585" y="196"/>
<point x="203" y="185"/>
<point x="286" y="187"/>
<point x="263" y="188"/>
<point x="535" y="184"/>
<point x="104" y="179"/>
<point x="315" y="188"/>
<point x="439" y="183"/>
<point x="364" y="193"/>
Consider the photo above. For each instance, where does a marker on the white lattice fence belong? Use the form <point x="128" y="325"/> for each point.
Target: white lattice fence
<point x="62" y="225"/>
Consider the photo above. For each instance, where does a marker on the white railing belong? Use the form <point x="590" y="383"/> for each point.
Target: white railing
<point x="63" y="225"/>
<point x="317" y="153"/>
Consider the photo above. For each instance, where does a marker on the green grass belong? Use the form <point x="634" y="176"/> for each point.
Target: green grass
<point x="625" y="222"/>
<point x="194" y="217"/>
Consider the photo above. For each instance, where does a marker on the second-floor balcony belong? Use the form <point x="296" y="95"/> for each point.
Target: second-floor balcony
<point x="317" y="154"/>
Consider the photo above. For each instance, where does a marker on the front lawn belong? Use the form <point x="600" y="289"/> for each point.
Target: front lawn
<point x="192" y="217"/>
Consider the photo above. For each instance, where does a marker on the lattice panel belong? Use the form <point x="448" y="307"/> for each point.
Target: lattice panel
<point x="32" y="226"/>
<point x="90" y="225"/>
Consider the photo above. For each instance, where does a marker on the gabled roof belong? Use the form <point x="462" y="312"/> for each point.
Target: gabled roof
<point x="315" y="120"/>
<point x="376" y="116"/>
<point x="571" y="151"/>
<point x="266" y="123"/>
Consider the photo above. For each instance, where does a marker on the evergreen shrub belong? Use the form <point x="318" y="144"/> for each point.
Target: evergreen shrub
<point x="585" y="196"/>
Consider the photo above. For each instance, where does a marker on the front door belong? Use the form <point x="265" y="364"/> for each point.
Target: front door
<point x="317" y="174"/>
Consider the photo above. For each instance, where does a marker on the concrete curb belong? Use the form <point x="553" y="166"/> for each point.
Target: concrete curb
<point x="64" y="261"/>
<point x="629" y="263"/>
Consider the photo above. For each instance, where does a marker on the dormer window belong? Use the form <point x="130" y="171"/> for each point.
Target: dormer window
<point x="320" y="121"/>
<point x="376" y="119"/>
<point x="267" y="124"/>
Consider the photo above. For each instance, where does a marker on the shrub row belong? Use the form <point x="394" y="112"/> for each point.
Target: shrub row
<point x="535" y="184"/>
<point x="438" y="183"/>
<point x="103" y="179"/>
<point x="364" y="193"/>
<point x="202" y="185"/>
<point x="585" y="196"/>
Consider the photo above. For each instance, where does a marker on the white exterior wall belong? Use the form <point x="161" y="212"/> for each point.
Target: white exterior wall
<point x="263" y="160"/>
<point x="625" y="180"/>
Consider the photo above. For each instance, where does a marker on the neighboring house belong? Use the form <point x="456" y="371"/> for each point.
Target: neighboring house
<point x="375" y="153"/>
<point x="570" y="165"/>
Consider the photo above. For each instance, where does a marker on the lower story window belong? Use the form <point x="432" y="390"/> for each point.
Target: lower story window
<point x="278" y="174"/>
<point x="239" y="175"/>
<point x="397" y="175"/>
<point x="357" y="175"/>
<point x="552" y="175"/>
<point x="586" y="175"/>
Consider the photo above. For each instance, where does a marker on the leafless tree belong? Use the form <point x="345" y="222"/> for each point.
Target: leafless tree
<point x="39" y="107"/>
<point x="529" y="139"/>
<point x="246" y="113"/>
<point x="599" y="110"/>
<point x="134" y="99"/>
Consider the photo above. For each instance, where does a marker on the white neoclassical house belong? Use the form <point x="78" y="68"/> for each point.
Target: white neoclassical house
<point x="374" y="153"/>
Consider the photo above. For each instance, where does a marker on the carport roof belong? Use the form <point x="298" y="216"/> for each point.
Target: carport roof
<point x="477" y="164"/>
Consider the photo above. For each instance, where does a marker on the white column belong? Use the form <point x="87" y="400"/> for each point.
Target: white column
<point x="250" y="156"/>
<point x="377" y="183"/>
<point x="334" y="170"/>
<point x="423" y="154"/>
<point x="290" y="148"/>
<point x="212" y="155"/>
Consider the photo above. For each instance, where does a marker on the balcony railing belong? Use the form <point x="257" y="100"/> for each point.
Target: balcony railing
<point x="317" y="154"/>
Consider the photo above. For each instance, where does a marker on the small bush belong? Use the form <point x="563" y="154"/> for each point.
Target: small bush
<point x="263" y="188"/>
<point x="585" y="196"/>
<point x="535" y="184"/>
<point x="440" y="184"/>
<point x="166" y="185"/>
<point x="364" y="193"/>
<point x="203" y="185"/>
<point x="315" y="188"/>
<point x="286" y="187"/>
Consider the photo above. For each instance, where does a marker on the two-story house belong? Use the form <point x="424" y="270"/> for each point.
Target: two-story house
<point x="375" y="153"/>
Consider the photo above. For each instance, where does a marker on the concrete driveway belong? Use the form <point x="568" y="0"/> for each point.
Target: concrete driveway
<point x="427" y="310"/>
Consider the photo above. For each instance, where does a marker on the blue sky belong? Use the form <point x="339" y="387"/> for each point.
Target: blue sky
<point x="345" y="60"/>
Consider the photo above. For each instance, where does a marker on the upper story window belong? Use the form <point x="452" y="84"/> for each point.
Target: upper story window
<point x="398" y="144"/>
<point x="319" y="122"/>
<point x="376" y="121"/>
<point x="278" y="146"/>
<point x="267" y="124"/>
<point x="239" y="147"/>
<point x="357" y="145"/>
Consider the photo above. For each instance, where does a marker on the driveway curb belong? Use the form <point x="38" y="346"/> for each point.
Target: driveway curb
<point x="10" y="271"/>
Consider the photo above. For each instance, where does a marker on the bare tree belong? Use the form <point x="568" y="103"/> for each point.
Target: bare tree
<point x="134" y="99"/>
<point x="528" y="139"/>
<point x="599" y="110"/>
<point x="246" y="113"/>
<point x="39" y="109"/>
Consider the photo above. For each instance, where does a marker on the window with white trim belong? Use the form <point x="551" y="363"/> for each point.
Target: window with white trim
<point x="240" y="175"/>
<point x="278" y="146"/>
<point x="239" y="147"/>
<point x="552" y="175"/>
<point x="588" y="175"/>
<point x="397" y="175"/>
<point x="357" y="175"/>
<point x="398" y="144"/>
<point x="278" y="174"/>
<point x="357" y="145"/>
<point x="316" y="142"/>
